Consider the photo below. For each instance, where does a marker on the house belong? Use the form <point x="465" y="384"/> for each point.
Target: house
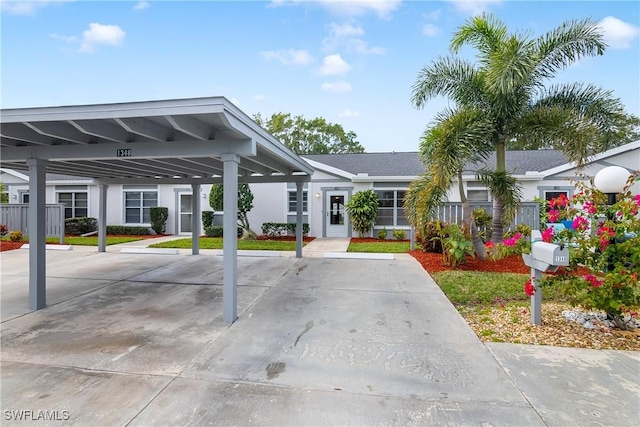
<point x="541" y="173"/>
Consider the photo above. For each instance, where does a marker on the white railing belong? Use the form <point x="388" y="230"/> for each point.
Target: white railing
<point x="15" y="217"/>
<point x="529" y="213"/>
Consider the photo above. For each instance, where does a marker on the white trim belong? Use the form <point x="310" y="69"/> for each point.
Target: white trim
<point x="609" y="153"/>
<point x="329" y="169"/>
<point x="14" y="173"/>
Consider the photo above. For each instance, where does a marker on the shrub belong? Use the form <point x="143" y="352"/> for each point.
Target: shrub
<point x="159" y="216"/>
<point x="122" y="230"/>
<point x="80" y="225"/>
<point x="399" y="234"/>
<point x="382" y="234"/>
<point x="218" y="231"/>
<point x="274" y="229"/>
<point x="483" y="223"/>
<point x="3" y="230"/>
<point x="363" y="210"/>
<point x="455" y="246"/>
<point x="207" y="219"/>
<point x="15" y="236"/>
<point x="429" y="237"/>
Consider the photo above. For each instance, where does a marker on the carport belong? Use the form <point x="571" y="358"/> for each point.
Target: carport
<point x="185" y="141"/>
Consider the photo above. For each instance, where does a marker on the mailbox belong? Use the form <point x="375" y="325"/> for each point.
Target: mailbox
<point x="548" y="253"/>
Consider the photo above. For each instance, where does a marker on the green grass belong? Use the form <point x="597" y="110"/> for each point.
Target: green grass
<point x="380" y="247"/>
<point x="478" y="288"/>
<point x="216" y="243"/>
<point x="83" y="241"/>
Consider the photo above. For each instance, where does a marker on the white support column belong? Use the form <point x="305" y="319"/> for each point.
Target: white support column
<point x="37" y="234"/>
<point x="230" y="238"/>
<point x="299" y="187"/>
<point x="536" y="298"/>
<point x="102" y="218"/>
<point x="195" y="219"/>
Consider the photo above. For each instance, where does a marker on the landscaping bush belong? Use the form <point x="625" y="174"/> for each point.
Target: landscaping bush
<point x="159" y="216"/>
<point x="3" y="230"/>
<point x="382" y="234"/>
<point x="363" y="210"/>
<point x="429" y="238"/>
<point x="15" y="236"/>
<point x="399" y="234"/>
<point x="275" y="229"/>
<point x="207" y="219"/>
<point x="80" y="225"/>
<point x="126" y="230"/>
<point x="455" y="246"/>
<point x="218" y="231"/>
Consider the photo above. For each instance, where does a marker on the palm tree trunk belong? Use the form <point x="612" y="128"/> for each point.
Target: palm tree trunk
<point x="478" y="245"/>
<point x="497" y="229"/>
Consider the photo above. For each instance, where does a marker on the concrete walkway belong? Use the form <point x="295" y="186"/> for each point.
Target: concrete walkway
<point x="138" y="339"/>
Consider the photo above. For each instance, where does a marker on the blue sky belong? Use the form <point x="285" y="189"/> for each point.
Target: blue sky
<point x="351" y="62"/>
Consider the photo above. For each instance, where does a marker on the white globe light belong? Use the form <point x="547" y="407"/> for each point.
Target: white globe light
<point x="611" y="179"/>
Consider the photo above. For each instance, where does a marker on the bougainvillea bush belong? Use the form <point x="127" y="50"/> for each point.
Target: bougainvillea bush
<point x="605" y="241"/>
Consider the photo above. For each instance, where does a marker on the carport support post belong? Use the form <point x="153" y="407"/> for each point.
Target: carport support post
<point x="37" y="234"/>
<point x="230" y="238"/>
<point x="195" y="219"/>
<point x="102" y="218"/>
<point x="299" y="219"/>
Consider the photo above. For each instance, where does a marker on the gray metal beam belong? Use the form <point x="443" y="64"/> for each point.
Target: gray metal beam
<point x="191" y="126"/>
<point x="102" y="218"/>
<point x="299" y="187"/>
<point x="37" y="234"/>
<point x="59" y="130"/>
<point x="146" y="128"/>
<point x="230" y="239"/>
<point x="195" y="219"/>
<point x="102" y="129"/>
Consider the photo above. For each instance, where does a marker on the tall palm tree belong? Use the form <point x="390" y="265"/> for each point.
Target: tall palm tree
<point x="506" y="91"/>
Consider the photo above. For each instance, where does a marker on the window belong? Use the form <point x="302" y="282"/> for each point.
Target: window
<point x="477" y="192"/>
<point x="74" y="199"/>
<point x="137" y="204"/>
<point x="390" y="212"/>
<point x="293" y="203"/>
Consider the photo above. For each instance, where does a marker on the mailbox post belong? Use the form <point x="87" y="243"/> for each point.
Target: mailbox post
<point x="544" y="258"/>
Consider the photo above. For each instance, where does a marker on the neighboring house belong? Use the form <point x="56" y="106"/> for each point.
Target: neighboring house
<point x="542" y="173"/>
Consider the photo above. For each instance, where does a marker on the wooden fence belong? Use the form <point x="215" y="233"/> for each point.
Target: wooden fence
<point x="529" y="213"/>
<point x="15" y="217"/>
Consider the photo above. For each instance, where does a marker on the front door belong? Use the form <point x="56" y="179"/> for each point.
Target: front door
<point x="336" y="217"/>
<point x="184" y="221"/>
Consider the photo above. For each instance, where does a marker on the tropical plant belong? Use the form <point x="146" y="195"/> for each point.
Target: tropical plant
<point x="15" y="236"/>
<point x="506" y="91"/>
<point x="159" y="216"/>
<point x="362" y="209"/>
<point x="245" y="204"/>
<point x="3" y="230"/>
<point x="382" y="234"/>
<point x="399" y="234"/>
<point x="455" y="246"/>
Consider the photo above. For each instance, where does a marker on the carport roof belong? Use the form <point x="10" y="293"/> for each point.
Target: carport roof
<point x="169" y="141"/>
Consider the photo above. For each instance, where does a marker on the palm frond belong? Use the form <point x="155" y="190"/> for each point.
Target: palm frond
<point x="484" y="32"/>
<point x="504" y="187"/>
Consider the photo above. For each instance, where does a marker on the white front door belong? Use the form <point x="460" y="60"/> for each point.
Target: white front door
<point x="184" y="219"/>
<point x="335" y="215"/>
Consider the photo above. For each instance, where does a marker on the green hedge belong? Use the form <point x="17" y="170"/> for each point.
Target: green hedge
<point x="80" y="225"/>
<point x="207" y="219"/>
<point x="159" y="216"/>
<point x="273" y="229"/>
<point x="217" y="231"/>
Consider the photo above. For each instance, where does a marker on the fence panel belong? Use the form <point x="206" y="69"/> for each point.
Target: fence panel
<point x="16" y="218"/>
<point x="529" y="213"/>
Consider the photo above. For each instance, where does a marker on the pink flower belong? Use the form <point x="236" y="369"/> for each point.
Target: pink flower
<point x="529" y="289"/>
<point x="554" y="215"/>
<point x="606" y="234"/>
<point x="489" y="244"/>
<point x="589" y="207"/>
<point x="593" y="280"/>
<point x="517" y="236"/>
<point x="637" y="199"/>
<point x="580" y="223"/>
<point x="509" y="242"/>
<point x="547" y="235"/>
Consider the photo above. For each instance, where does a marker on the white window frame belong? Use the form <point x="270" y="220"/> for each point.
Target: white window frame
<point x="141" y="190"/>
<point x="477" y="186"/>
<point x="73" y="190"/>
<point x="305" y="201"/>
<point x="397" y="206"/>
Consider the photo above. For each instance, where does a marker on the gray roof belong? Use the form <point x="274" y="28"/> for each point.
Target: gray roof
<point x="408" y="163"/>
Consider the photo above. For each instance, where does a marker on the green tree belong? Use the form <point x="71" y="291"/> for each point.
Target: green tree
<point x="506" y="88"/>
<point x="4" y="197"/>
<point x="315" y="136"/>
<point x="363" y="210"/>
<point x="245" y="204"/>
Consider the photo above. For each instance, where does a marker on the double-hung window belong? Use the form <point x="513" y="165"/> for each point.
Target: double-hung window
<point x="138" y="199"/>
<point x="75" y="200"/>
<point x="390" y="202"/>
<point x="477" y="192"/>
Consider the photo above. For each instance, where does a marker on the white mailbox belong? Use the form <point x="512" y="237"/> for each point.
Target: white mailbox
<point x="551" y="254"/>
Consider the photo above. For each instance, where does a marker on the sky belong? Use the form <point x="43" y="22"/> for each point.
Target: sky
<point x="353" y="63"/>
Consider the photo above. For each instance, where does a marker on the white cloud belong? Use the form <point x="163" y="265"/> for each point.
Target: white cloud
<point x="618" y="34"/>
<point x="100" y="34"/>
<point x="334" y="64"/>
<point x="383" y="8"/>
<point x="346" y="35"/>
<point x="349" y="113"/>
<point x="259" y="97"/>
<point x="432" y="16"/>
<point x="142" y="5"/>
<point x="288" y="57"/>
<point x="474" y="7"/>
<point x="25" y="7"/>
<point x="430" y="30"/>
<point x="66" y="39"/>
<point x="336" y="87"/>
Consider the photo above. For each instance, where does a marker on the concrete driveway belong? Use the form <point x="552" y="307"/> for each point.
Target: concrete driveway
<point x="138" y="339"/>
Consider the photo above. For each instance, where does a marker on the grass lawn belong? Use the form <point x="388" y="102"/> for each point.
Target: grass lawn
<point x="216" y="243"/>
<point x="380" y="247"/>
<point x="474" y="288"/>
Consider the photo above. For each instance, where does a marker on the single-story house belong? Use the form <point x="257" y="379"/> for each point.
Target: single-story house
<point x="541" y="173"/>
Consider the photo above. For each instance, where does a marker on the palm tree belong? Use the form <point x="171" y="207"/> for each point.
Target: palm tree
<point x="505" y="90"/>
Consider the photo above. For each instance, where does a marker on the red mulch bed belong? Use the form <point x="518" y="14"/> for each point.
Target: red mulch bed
<point x="7" y="246"/>
<point x="433" y="263"/>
